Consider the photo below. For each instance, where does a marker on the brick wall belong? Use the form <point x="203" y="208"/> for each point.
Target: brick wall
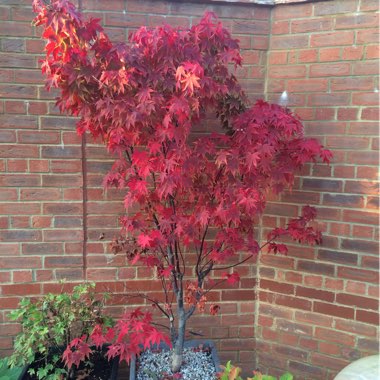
<point x="316" y="308"/>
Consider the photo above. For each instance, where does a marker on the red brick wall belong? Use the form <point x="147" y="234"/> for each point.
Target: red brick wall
<point x="316" y="308"/>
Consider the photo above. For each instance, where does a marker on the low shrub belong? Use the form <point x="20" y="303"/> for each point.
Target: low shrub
<point x="232" y="372"/>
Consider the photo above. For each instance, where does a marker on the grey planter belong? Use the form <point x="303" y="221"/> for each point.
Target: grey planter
<point x="188" y="344"/>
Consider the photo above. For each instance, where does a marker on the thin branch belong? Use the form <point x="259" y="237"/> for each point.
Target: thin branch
<point x="161" y="325"/>
<point x="246" y="259"/>
<point x="181" y="256"/>
<point x="199" y="259"/>
<point x="208" y="253"/>
<point x="236" y="264"/>
<point x="155" y="302"/>
<point x="172" y="262"/>
<point x="191" y="310"/>
<point x="164" y="287"/>
<point x="214" y="285"/>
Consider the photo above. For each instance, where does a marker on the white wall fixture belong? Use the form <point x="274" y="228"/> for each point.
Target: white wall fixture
<point x="367" y="368"/>
<point x="284" y="99"/>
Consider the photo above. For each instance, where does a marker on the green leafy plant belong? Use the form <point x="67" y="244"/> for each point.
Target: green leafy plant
<point x="232" y="372"/>
<point x="50" y="323"/>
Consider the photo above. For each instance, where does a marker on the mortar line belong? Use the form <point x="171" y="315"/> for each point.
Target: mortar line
<point x="260" y="227"/>
<point x="84" y="194"/>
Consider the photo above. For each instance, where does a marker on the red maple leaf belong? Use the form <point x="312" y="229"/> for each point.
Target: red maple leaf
<point x="166" y="272"/>
<point x="150" y="261"/>
<point x="232" y="278"/>
<point x="278" y="248"/>
<point x="138" y="186"/>
<point x="77" y="351"/>
<point x="252" y="159"/>
<point x="97" y="336"/>
<point x="214" y="309"/>
<point x="144" y="240"/>
<point x="202" y="216"/>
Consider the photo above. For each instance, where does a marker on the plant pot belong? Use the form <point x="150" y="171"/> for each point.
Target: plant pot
<point x="98" y="366"/>
<point x="7" y="373"/>
<point x="188" y="344"/>
<point x="23" y="372"/>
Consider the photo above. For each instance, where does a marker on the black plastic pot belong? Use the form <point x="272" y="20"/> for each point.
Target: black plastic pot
<point x="188" y="344"/>
<point x="114" y="364"/>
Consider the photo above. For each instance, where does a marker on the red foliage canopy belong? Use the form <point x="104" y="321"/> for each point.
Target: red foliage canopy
<point x="143" y="100"/>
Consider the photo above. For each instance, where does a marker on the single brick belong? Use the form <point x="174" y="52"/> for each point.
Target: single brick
<point x="355" y="327"/>
<point x="322" y="184"/>
<point x="337" y="256"/>
<point x="277" y="287"/>
<point x="323" y="295"/>
<point x="362" y="246"/>
<point x="289" y="42"/>
<point x="331" y="8"/>
<point x="358" y="274"/>
<point x="334" y="336"/>
<point x="297" y="11"/>
<point x="362" y="302"/>
<point x="311" y="25"/>
<point x="367" y="317"/>
<point x="335" y="38"/>
<point x="296" y="71"/>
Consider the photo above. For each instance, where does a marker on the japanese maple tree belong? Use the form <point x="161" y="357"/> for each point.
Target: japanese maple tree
<point x="143" y="99"/>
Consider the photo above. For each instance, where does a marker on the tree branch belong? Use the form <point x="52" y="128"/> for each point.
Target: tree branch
<point x="246" y="259"/>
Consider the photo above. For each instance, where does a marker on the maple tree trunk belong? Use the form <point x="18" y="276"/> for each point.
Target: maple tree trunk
<point x="180" y="339"/>
<point x="178" y="347"/>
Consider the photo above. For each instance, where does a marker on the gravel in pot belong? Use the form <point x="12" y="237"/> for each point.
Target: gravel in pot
<point x="200" y="362"/>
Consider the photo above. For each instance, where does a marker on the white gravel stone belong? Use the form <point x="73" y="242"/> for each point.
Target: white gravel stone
<point x="197" y="365"/>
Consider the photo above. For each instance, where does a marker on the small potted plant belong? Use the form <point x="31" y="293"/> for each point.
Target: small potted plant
<point x="231" y="372"/>
<point x="193" y="197"/>
<point x="49" y="324"/>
